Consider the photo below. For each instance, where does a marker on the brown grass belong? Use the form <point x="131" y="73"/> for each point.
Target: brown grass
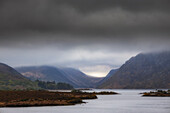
<point x="41" y="98"/>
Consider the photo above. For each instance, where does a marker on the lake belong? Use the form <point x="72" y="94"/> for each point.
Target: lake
<point x="129" y="101"/>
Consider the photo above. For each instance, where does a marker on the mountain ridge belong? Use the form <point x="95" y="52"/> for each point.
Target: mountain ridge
<point x="67" y="75"/>
<point x="144" y="71"/>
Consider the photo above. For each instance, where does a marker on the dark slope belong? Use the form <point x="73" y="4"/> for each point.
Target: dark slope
<point x="11" y="79"/>
<point x="66" y="75"/>
<point x="112" y="72"/>
<point x="151" y="70"/>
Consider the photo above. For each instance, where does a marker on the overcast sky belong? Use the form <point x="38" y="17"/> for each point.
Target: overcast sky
<point x="91" y="35"/>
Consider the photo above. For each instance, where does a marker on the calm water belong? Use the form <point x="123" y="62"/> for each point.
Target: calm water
<point x="130" y="101"/>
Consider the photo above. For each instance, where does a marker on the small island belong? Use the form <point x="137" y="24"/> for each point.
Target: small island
<point x="105" y="93"/>
<point x="26" y="98"/>
<point x="157" y="93"/>
<point x="97" y="93"/>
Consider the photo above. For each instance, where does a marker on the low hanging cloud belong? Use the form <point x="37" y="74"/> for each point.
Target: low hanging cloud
<point x="62" y="21"/>
<point x="81" y="33"/>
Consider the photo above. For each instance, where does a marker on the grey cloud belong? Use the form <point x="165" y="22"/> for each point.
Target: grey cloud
<point x="56" y="29"/>
<point x="100" y="17"/>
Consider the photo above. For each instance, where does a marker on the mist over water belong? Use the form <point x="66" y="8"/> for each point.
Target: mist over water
<point x="129" y="101"/>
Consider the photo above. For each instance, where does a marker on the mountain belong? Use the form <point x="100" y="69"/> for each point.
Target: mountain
<point x="11" y="79"/>
<point x="47" y="73"/>
<point x="79" y="78"/>
<point x="112" y="72"/>
<point x="66" y="75"/>
<point x="149" y="70"/>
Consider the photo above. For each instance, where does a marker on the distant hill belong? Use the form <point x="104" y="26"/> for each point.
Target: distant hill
<point x="46" y="73"/>
<point x="150" y="70"/>
<point x="79" y="78"/>
<point x="66" y="75"/>
<point x="11" y="79"/>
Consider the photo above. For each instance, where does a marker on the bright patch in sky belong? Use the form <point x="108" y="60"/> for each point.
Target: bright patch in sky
<point x="97" y="70"/>
<point x="97" y="74"/>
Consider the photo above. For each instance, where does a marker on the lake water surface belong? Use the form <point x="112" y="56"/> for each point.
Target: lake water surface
<point x="129" y="101"/>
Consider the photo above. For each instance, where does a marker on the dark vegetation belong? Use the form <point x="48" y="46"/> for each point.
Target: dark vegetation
<point x="158" y="93"/>
<point x="96" y="93"/>
<point x="25" y="98"/>
<point x="41" y="98"/>
<point x="53" y="86"/>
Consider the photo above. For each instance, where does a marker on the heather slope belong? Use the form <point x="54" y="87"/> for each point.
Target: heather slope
<point x="150" y="70"/>
<point x="11" y="79"/>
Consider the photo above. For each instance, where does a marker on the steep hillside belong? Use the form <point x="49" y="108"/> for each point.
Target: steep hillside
<point x="11" y="79"/>
<point x="151" y="70"/>
<point x="112" y="72"/>
<point x="67" y="75"/>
